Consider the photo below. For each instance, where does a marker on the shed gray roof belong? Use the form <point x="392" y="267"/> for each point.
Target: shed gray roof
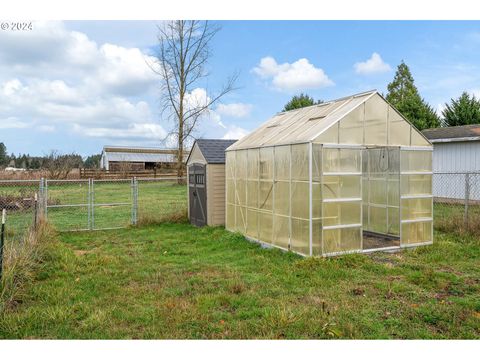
<point x="453" y="133"/>
<point x="213" y="150"/>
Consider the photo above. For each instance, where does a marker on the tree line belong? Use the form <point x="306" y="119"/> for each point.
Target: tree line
<point x="52" y="159"/>
<point x="405" y="97"/>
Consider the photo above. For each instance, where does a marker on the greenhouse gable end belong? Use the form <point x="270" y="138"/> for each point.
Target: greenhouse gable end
<point x="350" y="175"/>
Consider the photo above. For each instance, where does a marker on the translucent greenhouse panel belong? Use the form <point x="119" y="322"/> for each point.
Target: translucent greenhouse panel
<point x="282" y="162"/>
<point x="417" y="139"/>
<point x="398" y="129"/>
<point x="393" y="221"/>
<point x="300" y="162"/>
<point x="241" y="192"/>
<point x="230" y="191"/>
<point x="240" y="219"/>
<point x="341" y="186"/>
<point x="376" y="114"/>
<point x="300" y="200"/>
<point x="329" y="136"/>
<point x="316" y="201"/>
<point x="281" y="231"/>
<point x="416" y="208"/>
<point x="415" y="160"/>
<point x="230" y="217"/>
<point x="230" y="164"/>
<point x="340" y="240"/>
<point x="252" y="193"/>
<point x="417" y="184"/>
<point x="351" y="127"/>
<point x="300" y="241"/>
<point x="282" y="197"/>
<point x="378" y="219"/>
<point x="378" y="191"/>
<point x="317" y="162"/>
<point x="241" y="165"/>
<point x="342" y="213"/>
<point x="265" y="227"/>
<point x="265" y="195"/>
<point x="341" y="160"/>
<point x="317" y="237"/>
<point x="252" y="223"/>
<point x="393" y="190"/>
<point x="266" y="163"/>
<point x="253" y="163"/>
<point x="417" y="232"/>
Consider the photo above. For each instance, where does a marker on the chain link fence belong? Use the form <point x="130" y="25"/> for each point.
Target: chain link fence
<point x="20" y="199"/>
<point x="88" y="204"/>
<point x="456" y="201"/>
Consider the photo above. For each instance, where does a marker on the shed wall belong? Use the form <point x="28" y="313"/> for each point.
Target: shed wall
<point x="455" y="157"/>
<point x="215" y="194"/>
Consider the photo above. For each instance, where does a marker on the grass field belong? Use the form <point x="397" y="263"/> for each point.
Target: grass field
<point x="157" y="201"/>
<point x="177" y="281"/>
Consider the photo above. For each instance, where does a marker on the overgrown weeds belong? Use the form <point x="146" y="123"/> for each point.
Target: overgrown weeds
<point x="21" y="260"/>
<point x="177" y="216"/>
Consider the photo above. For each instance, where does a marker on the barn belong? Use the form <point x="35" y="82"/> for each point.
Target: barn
<point x="349" y="175"/>
<point x="456" y="161"/>
<point x="120" y="158"/>
<point x="206" y="182"/>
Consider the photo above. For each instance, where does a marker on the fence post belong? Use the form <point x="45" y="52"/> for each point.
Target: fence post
<point x="2" y="239"/>
<point x="92" y="203"/>
<point x="467" y="197"/>
<point x="134" y="200"/>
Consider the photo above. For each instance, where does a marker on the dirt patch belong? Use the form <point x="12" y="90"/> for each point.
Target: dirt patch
<point x="82" y="252"/>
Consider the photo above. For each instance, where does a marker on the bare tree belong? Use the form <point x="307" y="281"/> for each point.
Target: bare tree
<point x="184" y="50"/>
<point x="59" y="166"/>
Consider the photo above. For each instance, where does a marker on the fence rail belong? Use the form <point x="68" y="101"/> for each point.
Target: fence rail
<point x="90" y="204"/>
<point x="127" y="174"/>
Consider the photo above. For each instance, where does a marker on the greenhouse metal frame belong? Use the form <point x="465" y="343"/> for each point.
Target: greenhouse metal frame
<point x="350" y="175"/>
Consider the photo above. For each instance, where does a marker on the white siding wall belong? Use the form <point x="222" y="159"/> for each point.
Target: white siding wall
<point x="455" y="157"/>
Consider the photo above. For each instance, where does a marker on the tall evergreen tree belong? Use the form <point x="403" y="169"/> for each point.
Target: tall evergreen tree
<point x="3" y="155"/>
<point x="403" y="94"/>
<point x="300" y="101"/>
<point x="462" y="111"/>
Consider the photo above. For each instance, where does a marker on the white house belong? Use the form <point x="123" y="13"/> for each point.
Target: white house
<point x="456" y="158"/>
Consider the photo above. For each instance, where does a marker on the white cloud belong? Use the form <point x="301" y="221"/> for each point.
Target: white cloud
<point x="234" y="132"/>
<point x="374" y="65"/>
<point x="46" y="128"/>
<point x="238" y="110"/>
<point x="53" y="76"/>
<point x="298" y="75"/>
<point x="148" y="131"/>
<point x="57" y="81"/>
<point x="12" y="123"/>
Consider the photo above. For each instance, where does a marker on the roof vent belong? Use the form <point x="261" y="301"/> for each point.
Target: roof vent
<point x="317" y="117"/>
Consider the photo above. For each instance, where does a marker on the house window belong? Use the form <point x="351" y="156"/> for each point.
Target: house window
<point x="199" y="179"/>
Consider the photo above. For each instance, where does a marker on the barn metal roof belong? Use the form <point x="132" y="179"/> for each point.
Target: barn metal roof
<point x="453" y="133"/>
<point x="301" y="125"/>
<point x="139" y="157"/>
<point x="140" y="154"/>
<point x="213" y="150"/>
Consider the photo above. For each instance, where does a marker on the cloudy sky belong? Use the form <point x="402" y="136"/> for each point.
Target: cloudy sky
<point x="78" y="85"/>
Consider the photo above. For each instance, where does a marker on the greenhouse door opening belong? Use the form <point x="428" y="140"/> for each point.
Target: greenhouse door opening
<point x="381" y="197"/>
<point x="198" y="194"/>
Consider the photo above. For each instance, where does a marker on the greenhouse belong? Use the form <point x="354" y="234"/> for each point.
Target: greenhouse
<point x="350" y="175"/>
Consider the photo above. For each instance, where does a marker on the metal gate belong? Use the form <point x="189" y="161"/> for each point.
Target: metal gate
<point x="197" y="194"/>
<point x="90" y="204"/>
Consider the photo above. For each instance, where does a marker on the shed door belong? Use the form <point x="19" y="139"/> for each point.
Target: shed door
<point x="198" y="194"/>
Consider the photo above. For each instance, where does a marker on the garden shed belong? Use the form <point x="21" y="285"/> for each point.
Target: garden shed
<point x="350" y="175"/>
<point x="206" y="182"/>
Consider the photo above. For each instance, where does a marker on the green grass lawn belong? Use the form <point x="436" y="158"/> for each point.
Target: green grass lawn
<point x="177" y="281"/>
<point x="157" y="200"/>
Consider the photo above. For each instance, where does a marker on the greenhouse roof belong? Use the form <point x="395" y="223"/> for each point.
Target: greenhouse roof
<point x="301" y="125"/>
